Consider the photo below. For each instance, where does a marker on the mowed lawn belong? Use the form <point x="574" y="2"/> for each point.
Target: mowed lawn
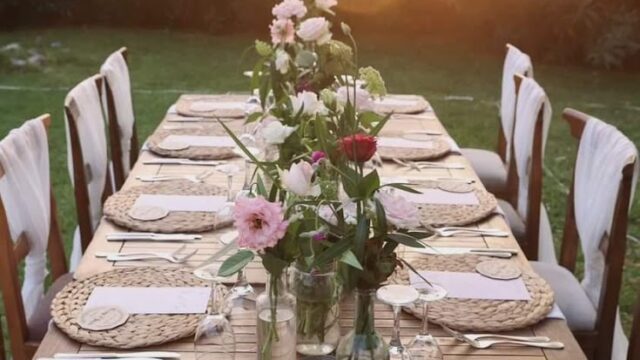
<point x="461" y="82"/>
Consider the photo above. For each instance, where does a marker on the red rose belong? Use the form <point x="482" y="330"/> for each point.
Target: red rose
<point x="358" y="147"/>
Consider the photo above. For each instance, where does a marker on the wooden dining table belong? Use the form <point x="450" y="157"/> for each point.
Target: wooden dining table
<point x="243" y="321"/>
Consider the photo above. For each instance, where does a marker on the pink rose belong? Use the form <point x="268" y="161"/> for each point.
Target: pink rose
<point x="315" y="29"/>
<point x="282" y="31"/>
<point x="260" y="223"/>
<point x="289" y="8"/>
<point x="399" y="211"/>
<point x="317" y="156"/>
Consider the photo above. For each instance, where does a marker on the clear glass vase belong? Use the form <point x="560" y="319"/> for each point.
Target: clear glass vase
<point x="317" y="309"/>
<point x="276" y="319"/>
<point x="363" y="342"/>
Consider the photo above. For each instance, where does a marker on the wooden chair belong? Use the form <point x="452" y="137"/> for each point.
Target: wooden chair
<point x="527" y="231"/>
<point x="80" y="177"/>
<point x="25" y="334"/>
<point x="115" y="138"/>
<point x="596" y="341"/>
<point x="491" y="166"/>
<point x="634" y="338"/>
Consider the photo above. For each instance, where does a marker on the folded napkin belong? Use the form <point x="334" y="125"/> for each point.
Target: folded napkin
<point x="189" y="203"/>
<point x="468" y="285"/>
<point x="204" y="106"/>
<point x="150" y="300"/>
<point x="441" y="197"/>
<point x="404" y="143"/>
<point x="200" y="141"/>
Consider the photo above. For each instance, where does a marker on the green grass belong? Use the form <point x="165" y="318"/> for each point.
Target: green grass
<point x="162" y="62"/>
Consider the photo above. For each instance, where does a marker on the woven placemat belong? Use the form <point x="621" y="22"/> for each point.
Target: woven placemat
<point x="439" y="149"/>
<point x="455" y="214"/>
<point x="192" y="152"/>
<point x="140" y="330"/>
<point x="116" y="208"/>
<point x="476" y="314"/>
<point x="183" y="105"/>
<point x="406" y="104"/>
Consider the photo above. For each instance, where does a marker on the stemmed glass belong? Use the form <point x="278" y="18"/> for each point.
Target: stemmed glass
<point x="397" y="296"/>
<point x="230" y="170"/>
<point x="214" y="338"/>
<point x="424" y="346"/>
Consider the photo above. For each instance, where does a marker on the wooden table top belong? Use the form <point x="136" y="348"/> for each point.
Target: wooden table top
<point x="244" y="320"/>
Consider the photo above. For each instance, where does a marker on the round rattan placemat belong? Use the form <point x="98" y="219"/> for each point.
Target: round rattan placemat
<point x="116" y="208"/>
<point x="183" y="106"/>
<point x="440" y="148"/>
<point x="405" y="104"/>
<point x="477" y="314"/>
<point x="140" y="330"/>
<point x="191" y="152"/>
<point x="456" y="214"/>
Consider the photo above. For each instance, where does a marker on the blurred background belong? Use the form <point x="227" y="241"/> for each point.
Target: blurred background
<point x="586" y="54"/>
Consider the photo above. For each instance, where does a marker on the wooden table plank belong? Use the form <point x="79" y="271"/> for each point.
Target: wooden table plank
<point x="244" y="320"/>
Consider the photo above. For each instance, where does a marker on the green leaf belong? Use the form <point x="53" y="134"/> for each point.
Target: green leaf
<point x="361" y="236"/>
<point x="336" y="250"/>
<point x="380" y="125"/>
<point x="381" y="218"/>
<point x="235" y="263"/>
<point x="306" y="59"/>
<point x="349" y="258"/>
<point x="273" y="264"/>
<point x="402" y="187"/>
<point x="405" y="239"/>
<point x="263" y="48"/>
<point x="245" y="150"/>
<point x="369" y="185"/>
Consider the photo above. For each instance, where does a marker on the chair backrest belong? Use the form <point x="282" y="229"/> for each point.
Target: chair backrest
<point x="613" y="244"/>
<point x="515" y="62"/>
<point x="634" y="337"/>
<point x="535" y="176"/>
<point x="116" y="124"/>
<point x="11" y="255"/>
<point x="82" y="175"/>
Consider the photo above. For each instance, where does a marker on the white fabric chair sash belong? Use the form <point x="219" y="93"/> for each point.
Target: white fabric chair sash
<point x="516" y="62"/>
<point x="25" y="190"/>
<point x="602" y="154"/>
<point x="531" y="99"/>
<point x="85" y="99"/>
<point x="116" y="72"/>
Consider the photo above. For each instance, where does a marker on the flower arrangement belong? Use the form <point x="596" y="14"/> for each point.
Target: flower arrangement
<point x="313" y="202"/>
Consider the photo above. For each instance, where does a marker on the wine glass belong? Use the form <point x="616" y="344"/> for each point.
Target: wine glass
<point x="242" y="289"/>
<point x="424" y="346"/>
<point x="230" y="170"/>
<point x="397" y="296"/>
<point x="214" y="338"/>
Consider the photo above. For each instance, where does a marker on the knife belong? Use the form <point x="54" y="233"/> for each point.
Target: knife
<point x="141" y="354"/>
<point x="181" y="162"/>
<point x="137" y="236"/>
<point x="457" y="251"/>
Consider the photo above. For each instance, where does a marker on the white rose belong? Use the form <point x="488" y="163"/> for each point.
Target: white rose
<point x="298" y="180"/>
<point x="399" y="211"/>
<point x="326" y="5"/>
<point x="282" y="61"/>
<point x="363" y="98"/>
<point x="275" y="133"/>
<point x="315" y="29"/>
<point x="289" y="8"/>
<point x="308" y="101"/>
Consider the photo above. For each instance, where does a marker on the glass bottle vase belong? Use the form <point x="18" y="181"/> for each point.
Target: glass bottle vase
<point x="363" y="342"/>
<point x="317" y="309"/>
<point x="276" y="320"/>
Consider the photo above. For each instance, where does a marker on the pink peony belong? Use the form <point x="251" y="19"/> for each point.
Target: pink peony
<point x="399" y="211"/>
<point x="260" y="223"/>
<point x="316" y="29"/>
<point x="282" y="31"/>
<point x="289" y="8"/>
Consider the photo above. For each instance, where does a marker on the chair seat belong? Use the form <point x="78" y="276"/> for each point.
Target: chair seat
<point x="38" y="323"/>
<point x="515" y="222"/>
<point x="569" y="295"/>
<point x="490" y="169"/>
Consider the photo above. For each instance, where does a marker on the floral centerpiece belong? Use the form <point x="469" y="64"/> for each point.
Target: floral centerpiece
<point x="314" y="203"/>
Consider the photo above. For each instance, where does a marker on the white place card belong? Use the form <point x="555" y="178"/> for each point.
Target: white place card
<point x="204" y="106"/>
<point x="441" y="197"/>
<point x="404" y="143"/>
<point x="201" y="141"/>
<point x="152" y="300"/>
<point x="187" y="203"/>
<point x="468" y="285"/>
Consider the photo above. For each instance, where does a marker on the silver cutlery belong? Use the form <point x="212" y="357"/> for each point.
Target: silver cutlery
<point x="200" y="178"/>
<point x="473" y="337"/>
<point x="174" y="257"/>
<point x="497" y="253"/>
<point x="423" y="132"/>
<point x="145" y="354"/>
<point x="140" y="236"/>
<point x="484" y="344"/>
<point x="176" y="161"/>
<point x="420" y="165"/>
<point x="181" y="126"/>
<point x="449" y="231"/>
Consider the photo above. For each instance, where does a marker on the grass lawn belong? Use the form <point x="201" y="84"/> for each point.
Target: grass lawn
<point x="164" y="64"/>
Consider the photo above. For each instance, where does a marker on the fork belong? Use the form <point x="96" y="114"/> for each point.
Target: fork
<point x="474" y="337"/>
<point x="449" y="231"/>
<point x="419" y="165"/>
<point x="173" y="257"/>
<point x="484" y="344"/>
<point x="193" y="178"/>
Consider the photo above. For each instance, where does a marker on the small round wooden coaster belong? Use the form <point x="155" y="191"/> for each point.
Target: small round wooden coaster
<point x="102" y="318"/>
<point x="173" y="145"/>
<point x="148" y="212"/>
<point x="500" y="270"/>
<point x="455" y="187"/>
